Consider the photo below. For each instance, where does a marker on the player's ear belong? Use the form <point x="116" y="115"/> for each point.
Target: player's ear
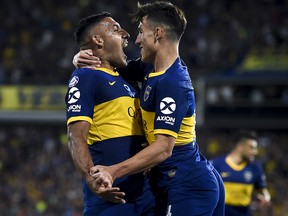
<point x="158" y="33"/>
<point x="98" y="40"/>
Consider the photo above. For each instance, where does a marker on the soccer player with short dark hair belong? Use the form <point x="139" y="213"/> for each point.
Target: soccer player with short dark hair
<point x="103" y="121"/>
<point x="242" y="174"/>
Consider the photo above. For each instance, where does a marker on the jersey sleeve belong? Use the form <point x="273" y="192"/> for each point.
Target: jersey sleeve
<point x="171" y="106"/>
<point x="81" y="95"/>
<point x="261" y="180"/>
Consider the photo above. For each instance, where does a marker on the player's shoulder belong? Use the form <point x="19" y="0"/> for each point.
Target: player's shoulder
<point x="82" y="77"/>
<point x="178" y="73"/>
<point x="87" y="74"/>
<point x="84" y="72"/>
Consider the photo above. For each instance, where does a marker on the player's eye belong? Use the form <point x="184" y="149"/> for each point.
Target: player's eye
<point x="116" y="28"/>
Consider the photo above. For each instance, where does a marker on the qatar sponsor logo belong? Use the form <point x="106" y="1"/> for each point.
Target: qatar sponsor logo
<point x="167" y="105"/>
<point x="73" y="95"/>
<point x="73" y="81"/>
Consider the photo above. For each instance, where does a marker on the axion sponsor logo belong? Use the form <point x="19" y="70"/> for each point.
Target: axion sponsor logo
<point x="167" y="119"/>
<point x="74" y="108"/>
<point x="73" y="95"/>
<point x="167" y="105"/>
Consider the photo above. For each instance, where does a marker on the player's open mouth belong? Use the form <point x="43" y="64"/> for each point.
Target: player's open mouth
<point x="125" y="44"/>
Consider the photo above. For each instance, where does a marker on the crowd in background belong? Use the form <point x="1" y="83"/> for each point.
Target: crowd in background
<point x="38" y="175"/>
<point x="37" y="44"/>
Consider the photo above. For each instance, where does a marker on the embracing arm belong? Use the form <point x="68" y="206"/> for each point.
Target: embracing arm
<point x="155" y="153"/>
<point x="134" y="71"/>
<point x="86" y="59"/>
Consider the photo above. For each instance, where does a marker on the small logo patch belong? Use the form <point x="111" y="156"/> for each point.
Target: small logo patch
<point x="112" y="83"/>
<point x="167" y="105"/>
<point x="147" y="92"/>
<point x="225" y="174"/>
<point x="131" y="93"/>
<point x="248" y="176"/>
<point x="73" y="95"/>
<point x="73" y="81"/>
<point x="172" y="173"/>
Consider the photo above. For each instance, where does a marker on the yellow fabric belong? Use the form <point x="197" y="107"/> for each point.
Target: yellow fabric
<point x="238" y="194"/>
<point x="109" y="122"/>
<point x="185" y="135"/>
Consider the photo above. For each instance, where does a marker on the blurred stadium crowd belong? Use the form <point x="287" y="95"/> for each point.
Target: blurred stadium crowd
<point x="37" y="46"/>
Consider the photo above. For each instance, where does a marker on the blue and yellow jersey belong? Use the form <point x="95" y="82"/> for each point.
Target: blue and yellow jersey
<point x="111" y="105"/>
<point x="239" y="181"/>
<point x="168" y="107"/>
<point x="168" y="104"/>
<point x="101" y="97"/>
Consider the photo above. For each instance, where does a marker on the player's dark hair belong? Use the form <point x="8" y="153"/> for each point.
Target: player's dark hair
<point x="242" y="135"/>
<point x="163" y="13"/>
<point x="85" y="24"/>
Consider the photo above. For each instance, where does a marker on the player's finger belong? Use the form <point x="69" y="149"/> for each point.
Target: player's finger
<point x="88" y="61"/>
<point x="119" y="200"/>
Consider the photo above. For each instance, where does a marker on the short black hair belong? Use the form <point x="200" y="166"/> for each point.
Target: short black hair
<point x="242" y="135"/>
<point x="162" y="12"/>
<point x="85" y="24"/>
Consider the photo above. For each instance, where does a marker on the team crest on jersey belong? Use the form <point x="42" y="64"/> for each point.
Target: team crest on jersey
<point x="73" y="81"/>
<point x="147" y="92"/>
<point x="167" y="105"/>
<point x="172" y="173"/>
<point x="131" y="93"/>
<point x="248" y="176"/>
<point x="73" y="95"/>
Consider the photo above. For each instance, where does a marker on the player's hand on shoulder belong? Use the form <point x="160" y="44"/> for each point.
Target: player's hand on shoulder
<point x="85" y="58"/>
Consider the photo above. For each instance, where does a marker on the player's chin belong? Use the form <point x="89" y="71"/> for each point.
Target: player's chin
<point x="143" y="59"/>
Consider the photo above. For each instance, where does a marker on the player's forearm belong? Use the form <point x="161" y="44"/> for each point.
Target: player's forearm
<point x="77" y="143"/>
<point x="81" y="158"/>
<point x="144" y="160"/>
<point x="149" y="157"/>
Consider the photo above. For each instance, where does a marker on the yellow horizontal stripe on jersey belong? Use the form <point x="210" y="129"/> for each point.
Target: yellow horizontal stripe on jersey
<point x="187" y="132"/>
<point x="238" y="194"/>
<point x="166" y="132"/>
<point x="148" y="125"/>
<point x="79" y="118"/>
<point x="116" y="118"/>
